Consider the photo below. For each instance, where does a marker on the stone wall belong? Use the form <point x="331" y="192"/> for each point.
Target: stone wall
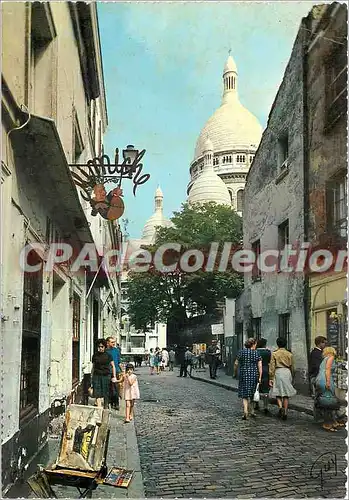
<point x="272" y="196"/>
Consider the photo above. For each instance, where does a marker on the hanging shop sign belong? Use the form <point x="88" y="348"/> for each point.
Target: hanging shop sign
<point x="92" y="177"/>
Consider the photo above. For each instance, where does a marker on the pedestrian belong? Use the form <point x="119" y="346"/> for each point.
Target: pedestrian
<point x="202" y="357"/>
<point x="264" y="388"/>
<point x="114" y="387"/>
<point x="325" y="390"/>
<point x="315" y="360"/>
<point x="131" y="392"/>
<point x="102" y="361"/>
<point x="151" y="361"/>
<point x="157" y="360"/>
<point x="171" y="359"/>
<point x="188" y="357"/>
<point x="182" y="363"/>
<point x="281" y="373"/>
<point x="249" y="363"/>
<point x="213" y="353"/>
<point x="165" y="357"/>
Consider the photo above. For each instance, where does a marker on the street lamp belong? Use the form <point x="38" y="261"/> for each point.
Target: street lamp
<point x="129" y="154"/>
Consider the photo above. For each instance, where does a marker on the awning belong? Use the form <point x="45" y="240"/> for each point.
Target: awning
<point x="45" y="172"/>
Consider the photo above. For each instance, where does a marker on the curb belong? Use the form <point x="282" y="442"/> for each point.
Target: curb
<point x="292" y="406"/>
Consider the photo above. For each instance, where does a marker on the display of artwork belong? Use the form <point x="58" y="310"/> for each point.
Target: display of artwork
<point x="118" y="477"/>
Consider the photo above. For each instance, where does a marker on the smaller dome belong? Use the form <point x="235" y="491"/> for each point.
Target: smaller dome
<point x="156" y="220"/>
<point x="209" y="187"/>
<point x="230" y="66"/>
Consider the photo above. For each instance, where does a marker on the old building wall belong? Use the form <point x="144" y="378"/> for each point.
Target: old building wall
<point x="13" y="62"/>
<point x="327" y="128"/>
<point x="327" y="142"/>
<point x="274" y="195"/>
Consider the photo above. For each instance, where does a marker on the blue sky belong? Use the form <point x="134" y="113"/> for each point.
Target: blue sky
<point x="163" y="66"/>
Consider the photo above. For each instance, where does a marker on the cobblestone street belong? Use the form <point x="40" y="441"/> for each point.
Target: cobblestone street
<point x="193" y="443"/>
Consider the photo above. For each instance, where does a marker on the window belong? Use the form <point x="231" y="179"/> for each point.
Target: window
<point x="30" y="359"/>
<point x="283" y="241"/>
<point x="76" y="340"/>
<point x="256" y="325"/>
<point x="240" y="159"/>
<point x="256" y="272"/>
<point x="283" y="151"/>
<point x="284" y="328"/>
<point x="240" y="200"/>
<point x="283" y="235"/>
<point x="231" y="195"/>
<point x="336" y="84"/>
<point x="78" y="145"/>
<point x="337" y="209"/>
<point x="251" y="158"/>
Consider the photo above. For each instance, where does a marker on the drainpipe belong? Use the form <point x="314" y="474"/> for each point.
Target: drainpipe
<point x="306" y="169"/>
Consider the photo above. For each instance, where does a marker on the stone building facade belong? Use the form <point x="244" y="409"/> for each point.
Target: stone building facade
<point x="53" y="115"/>
<point x="296" y="194"/>
<point x="272" y="302"/>
<point x="327" y="177"/>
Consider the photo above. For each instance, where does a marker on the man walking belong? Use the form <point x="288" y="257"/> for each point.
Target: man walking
<point x="171" y="359"/>
<point x="114" y="387"/>
<point x="315" y="359"/>
<point x="213" y="353"/>
<point x="181" y="360"/>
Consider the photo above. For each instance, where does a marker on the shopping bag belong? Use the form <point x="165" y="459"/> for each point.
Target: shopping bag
<point x="256" y="396"/>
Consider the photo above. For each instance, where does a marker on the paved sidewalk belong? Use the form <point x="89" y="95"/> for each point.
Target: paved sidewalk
<point x="122" y="452"/>
<point x="299" y="402"/>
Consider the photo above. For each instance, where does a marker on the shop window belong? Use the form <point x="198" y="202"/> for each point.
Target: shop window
<point x="257" y="327"/>
<point x="256" y="272"/>
<point x="76" y="340"/>
<point x="31" y="333"/>
<point x="336" y="67"/>
<point x="284" y="328"/>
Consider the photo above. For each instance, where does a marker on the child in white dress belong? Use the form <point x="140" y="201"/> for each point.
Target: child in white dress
<point x="131" y="392"/>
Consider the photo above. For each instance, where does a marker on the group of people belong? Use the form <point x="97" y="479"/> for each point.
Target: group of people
<point x="110" y="380"/>
<point x="322" y="367"/>
<point x="271" y="374"/>
<point x="159" y="359"/>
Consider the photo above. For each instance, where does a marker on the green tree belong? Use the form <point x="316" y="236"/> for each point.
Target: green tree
<point x="172" y="296"/>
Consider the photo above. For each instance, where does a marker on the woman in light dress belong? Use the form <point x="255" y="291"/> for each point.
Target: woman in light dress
<point x="131" y="392"/>
<point x="281" y="373"/>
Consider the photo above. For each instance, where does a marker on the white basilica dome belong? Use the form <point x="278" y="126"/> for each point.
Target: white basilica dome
<point x="235" y="134"/>
<point x="156" y="220"/>
<point x="232" y="125"/>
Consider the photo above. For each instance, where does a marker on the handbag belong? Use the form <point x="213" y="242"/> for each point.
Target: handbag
<point x="256" y="396"/>
<point x="328" y="401"/>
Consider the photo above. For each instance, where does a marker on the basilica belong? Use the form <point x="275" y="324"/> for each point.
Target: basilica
<point x="225" y="149"/>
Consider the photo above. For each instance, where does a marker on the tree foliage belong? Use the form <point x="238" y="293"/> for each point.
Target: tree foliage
<point x="173" y="296"/>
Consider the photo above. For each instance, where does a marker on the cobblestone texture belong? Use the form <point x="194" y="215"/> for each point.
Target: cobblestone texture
<point x="193" y="443"/>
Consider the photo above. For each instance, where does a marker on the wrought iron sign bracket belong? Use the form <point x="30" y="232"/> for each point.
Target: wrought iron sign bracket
<point x="93" y="175"/>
